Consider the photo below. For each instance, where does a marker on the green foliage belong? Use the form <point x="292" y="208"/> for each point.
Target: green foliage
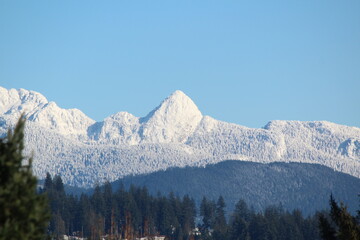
<point x="220" y="225"/>
<point x="23" y="212"/>
<point x="207" y="212"/>
<point x="127" y="213"/>
<point x="344" y="226"/>
<point x="327" y="231"/>
<point x="240" y="221"/>
<point x="134" y="213"/>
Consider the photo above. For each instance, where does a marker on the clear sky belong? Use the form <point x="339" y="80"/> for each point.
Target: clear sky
<point x="245" y="62"/>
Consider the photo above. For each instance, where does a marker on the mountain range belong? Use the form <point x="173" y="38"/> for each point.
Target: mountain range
<point x="174" y="134"/>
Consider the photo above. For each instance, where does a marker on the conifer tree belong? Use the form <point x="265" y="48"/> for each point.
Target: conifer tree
<point x="346" y="226"/>
<point x="240" y="221"/>
<point x="220" y="226"/>
<point x="327" y="231"/>
<point x="188" y="214"/>
<point x="348" y="229"/>
<point x="207" y="211"/>
<point x="239" y="229"/>
<point x="48" y="184"/>
<point x="108" y="205"/>
<point x="23" y="212"/>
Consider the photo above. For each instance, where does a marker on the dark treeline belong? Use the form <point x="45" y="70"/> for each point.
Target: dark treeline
<point x="133" y="212"/>
<point x="245" y="223"/>
<point x="125" y="213"/>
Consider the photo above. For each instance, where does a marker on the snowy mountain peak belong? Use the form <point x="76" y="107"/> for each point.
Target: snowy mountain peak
<point x="178" y="95"/>
<point x="177" y="103"/>
<point x="39" y="110"/>
<point x="67" y="142"/>
<point x="15" y="102"/>
<point x="174" y="120"/>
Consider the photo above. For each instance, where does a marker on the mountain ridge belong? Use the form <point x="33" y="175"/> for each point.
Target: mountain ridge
<point x="293" y="185"/>
<point x="174" y="134"/>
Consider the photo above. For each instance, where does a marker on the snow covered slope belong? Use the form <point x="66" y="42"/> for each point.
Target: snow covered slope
<point x="174" y="134"/>
<point x="38" y="110"/>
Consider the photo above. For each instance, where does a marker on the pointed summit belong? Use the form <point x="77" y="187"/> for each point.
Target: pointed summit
<point x="178" y="94"/>
<point x="180" y="103"/>
<point x="174" y="120"/>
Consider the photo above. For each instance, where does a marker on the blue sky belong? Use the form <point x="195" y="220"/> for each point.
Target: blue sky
<point x="245" y="62"/>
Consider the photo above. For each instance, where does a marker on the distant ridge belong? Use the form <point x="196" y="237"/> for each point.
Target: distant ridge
<point x="174" y="134"/>
<point x="301" y="186"/>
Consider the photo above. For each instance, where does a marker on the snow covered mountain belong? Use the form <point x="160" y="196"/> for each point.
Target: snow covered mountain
<point x="175" y="134"/>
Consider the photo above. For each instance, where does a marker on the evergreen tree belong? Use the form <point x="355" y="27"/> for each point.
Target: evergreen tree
<point x="59" y="225"/>
<point x="310" y="227"/>
<point x="176" y="206"/>
<point x="188" y="214"/>
<point x="239" y="229"/>
<point x="23" y="212"/>
<point x="327" y="231"/>
<point x="97" y="200"/>
<point x="71" y="214"/>
<point x="346" y="226"/>
<point x="273" y="215"/>
<point x="58" y="185"/>
<point x="207" y="212"/>
<point x="259" y="228"/>
<point x="240" y="222"/>
<point x="165" y="217"/>
<point x="108" y="205"/>
<point x="48" y="184"/>
<point x="84" y="212"/>
<point x="132" y="209"/>
<point x="348" y="229"/>
<point x="220" y="226"/>
<point x="54" y="189"/>
<point x="242" y="210"/>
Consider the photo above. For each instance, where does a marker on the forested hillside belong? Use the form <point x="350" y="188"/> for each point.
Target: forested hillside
<point x="133" y="212"/>
<point x="293" y="185"/>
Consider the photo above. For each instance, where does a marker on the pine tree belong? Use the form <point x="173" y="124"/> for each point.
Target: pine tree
<point x="348" y="229"/>
<point x="240" y="221"/>
<point x="188" y="214"/>
<point x="48" y="184"/>
<point x="239" y="229"/>
<point x="23" y="212"/>
<point x="165" y="217"/>
<point x="259" y="228"/>
<point x="207" y="211"/>
<point x="60" y="219"/>
<point x="346" y="226"/>
<point x="220" y="226"/>
<point x="327" y="231"/>
<point x="108" y="205"/>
